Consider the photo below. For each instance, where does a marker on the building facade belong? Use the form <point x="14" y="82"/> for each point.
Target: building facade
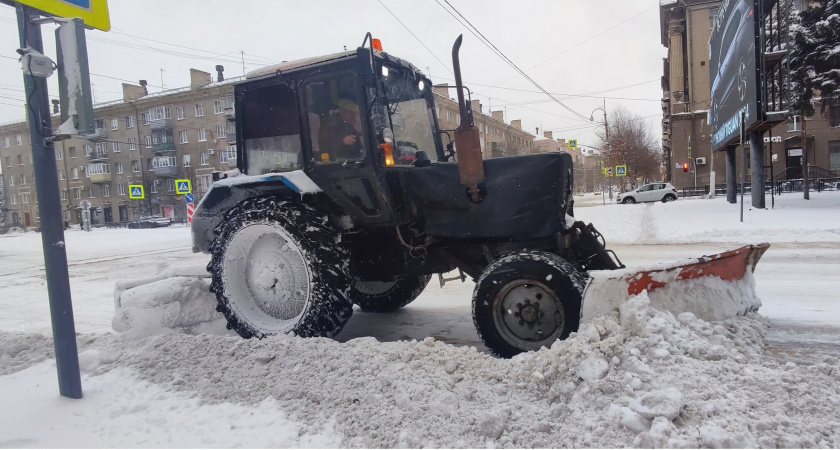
<point x="144" y="139"/>
<point x="497" y="137"/>
<point x="686" y="27"/>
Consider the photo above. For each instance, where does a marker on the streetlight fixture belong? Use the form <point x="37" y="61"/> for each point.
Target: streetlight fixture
<point x="607" y="137"/>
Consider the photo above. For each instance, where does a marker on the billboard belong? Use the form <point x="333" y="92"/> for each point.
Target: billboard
<point x="733" y="72"/>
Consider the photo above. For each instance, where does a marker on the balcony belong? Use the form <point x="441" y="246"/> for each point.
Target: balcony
<point x="157" y="124"/>
<point x="98" y="156"/>
<point x="166" y="171"/>
<point x="163" y="147"/>
<point x="99" y="178"/>
<point x="101" y="134"/>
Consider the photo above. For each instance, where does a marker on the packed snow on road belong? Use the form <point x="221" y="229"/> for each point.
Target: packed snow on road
<point x="160" y="369"/>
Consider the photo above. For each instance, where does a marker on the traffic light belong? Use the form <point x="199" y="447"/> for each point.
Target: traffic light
<point x="685" y="167"/>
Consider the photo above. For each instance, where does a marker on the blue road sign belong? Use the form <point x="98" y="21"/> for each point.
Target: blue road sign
<point x="189" y="198"/>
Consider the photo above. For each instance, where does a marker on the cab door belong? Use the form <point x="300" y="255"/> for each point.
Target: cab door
<point x="341" y="148"/>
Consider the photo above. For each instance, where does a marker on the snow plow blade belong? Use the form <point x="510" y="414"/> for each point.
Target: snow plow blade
<point x="714" y="287"/>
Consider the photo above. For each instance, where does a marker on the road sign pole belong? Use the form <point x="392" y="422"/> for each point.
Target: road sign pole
<point x="52" y="226"/>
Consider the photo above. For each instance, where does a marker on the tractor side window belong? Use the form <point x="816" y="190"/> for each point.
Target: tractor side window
<point x="334" y="120"/>
<point x="410" y="115"/>
<point x="271" y="129"/>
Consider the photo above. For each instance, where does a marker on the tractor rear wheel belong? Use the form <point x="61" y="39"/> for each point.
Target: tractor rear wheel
<point x="388" y="296"/>
<point x="525" y="301"/>
<point x="278" y="267"/>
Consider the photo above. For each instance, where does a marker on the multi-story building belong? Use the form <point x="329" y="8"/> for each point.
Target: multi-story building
<point x="588" y="175"/>
<point x="686" y="27"/>
<point x="497" y="137"/>
<point x="143" y="139"/>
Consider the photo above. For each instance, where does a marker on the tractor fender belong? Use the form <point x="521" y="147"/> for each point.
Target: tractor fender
<point x="224" y="194"/>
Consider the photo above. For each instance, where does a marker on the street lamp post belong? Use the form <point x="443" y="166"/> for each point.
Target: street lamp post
<point x="607" y="137"/>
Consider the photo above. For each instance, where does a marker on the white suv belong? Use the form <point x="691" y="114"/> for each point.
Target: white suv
<point x="651" y="192"/>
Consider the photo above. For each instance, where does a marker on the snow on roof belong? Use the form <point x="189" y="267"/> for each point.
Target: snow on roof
<point x="296" y="64"/>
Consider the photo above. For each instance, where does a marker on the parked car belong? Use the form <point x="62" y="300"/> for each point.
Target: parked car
<point x="150" y="222"/>
<point x="651" y="192"/>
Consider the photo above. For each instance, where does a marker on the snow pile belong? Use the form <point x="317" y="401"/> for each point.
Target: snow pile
<point x="178" y="303"/>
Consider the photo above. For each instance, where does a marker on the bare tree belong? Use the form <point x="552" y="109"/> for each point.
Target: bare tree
<point x="633" y="143"/>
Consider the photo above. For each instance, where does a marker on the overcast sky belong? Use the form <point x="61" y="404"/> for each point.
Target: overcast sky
<point x="592" y="49"/>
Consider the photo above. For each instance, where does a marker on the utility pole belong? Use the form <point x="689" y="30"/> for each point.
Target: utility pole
<point x="242" y="53"/>
<point x="49" y="201"/>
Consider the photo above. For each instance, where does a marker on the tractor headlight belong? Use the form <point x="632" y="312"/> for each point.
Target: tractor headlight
<point x="421" y="85"/>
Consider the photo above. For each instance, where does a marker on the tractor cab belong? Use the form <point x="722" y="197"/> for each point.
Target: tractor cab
<point x="349" y="120"/>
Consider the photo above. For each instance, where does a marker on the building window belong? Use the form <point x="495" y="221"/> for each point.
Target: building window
<point x="18" y="140"/>
<point x="148" y="141"/>
<point x="120" y="189"/>
<point x="220" y="132"/>
<point x="834" y="116"/>
<point x="88" y="150"/>
<point x="135" y="166"/>
<point x="183" y="135"/>
<point x="91" y="194"/>
<point x="106" y="190"/>
<point x="13" y="199"/>
<point x="833" y="155"/>
<point x="77" y="193"/>
<point x="154" y="186"/>
<point x="118" y="167"/>
<point x="794" y="124"/>
<point x="202" y="135"/>
<point x="22" y="179"/>
<point x="115" y="124"/>
<point x="437" y="112"/>
<point x="170" y="185"/>
<point x="61" y="175"/>
<point x="132" y="144"/>
<point x="204" y="159"/>
<point x="6" y="142"/>
<point x="64" y="194"/>
<point x="217" y="107"/>
<point x="713" y="13"/>
<point x="457" y="119"/>
<point x="8" y="161"/>
<point x="179" y="112"/>
<point x="72" y="151"/>
<point x="448" y="116"/>
<point x="129" y="121"/>
<point x="24" y="198"/>
<point x="20" y="160"/>
<point x="75" y="173"/>
<point x="229" y="155"/>
<point x="205" y="181"/>
<point x="116" y="147"/>
<point x="11" y="180"/>
<point x="59" y="154"/>
<point x="185" y="160"/>
<point x="144" y="118"/>
<point x="199" y="110"/>
<point x="163" y="161"/>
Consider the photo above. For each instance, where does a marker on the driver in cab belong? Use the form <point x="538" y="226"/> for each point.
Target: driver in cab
<point x="340" y="137"/>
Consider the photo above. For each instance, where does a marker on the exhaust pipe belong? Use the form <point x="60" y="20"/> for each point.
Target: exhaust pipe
<point x="467" y="141"/>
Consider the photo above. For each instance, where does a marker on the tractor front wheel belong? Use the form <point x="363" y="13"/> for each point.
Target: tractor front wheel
<point x="525" y="301"/>
<point x="388" y="296"/>
<point x="278" y="267"/>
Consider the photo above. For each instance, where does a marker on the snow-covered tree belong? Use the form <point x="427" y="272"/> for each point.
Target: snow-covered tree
<point x="814" y="64"/>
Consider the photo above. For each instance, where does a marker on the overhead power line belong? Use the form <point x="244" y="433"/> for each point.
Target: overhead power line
<point x="415" y="36"/>
<point x="507" y="60"/>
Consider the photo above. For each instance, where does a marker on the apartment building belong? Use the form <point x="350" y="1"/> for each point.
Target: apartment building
<point x="686" y="27"/>
<point x="588" y="176"/>
<point x="497" y="137"/>
<point x="144" y="139"/>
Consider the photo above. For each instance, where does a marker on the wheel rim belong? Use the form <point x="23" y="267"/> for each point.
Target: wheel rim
<point x="374" y="287"/>
<point x="275" y="290"/>
<point x="528" y="314"/>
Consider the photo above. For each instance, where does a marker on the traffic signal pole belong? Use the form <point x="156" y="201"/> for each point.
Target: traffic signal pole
<point x="49" y="202"/>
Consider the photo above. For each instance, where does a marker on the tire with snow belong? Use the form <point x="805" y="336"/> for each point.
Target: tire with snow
<point x="669" y="198"/>
<point x="278" y="267"/>
<point x="527" y="300"/>
<point x="382" y="297"/>
<point x="628" y="200"/>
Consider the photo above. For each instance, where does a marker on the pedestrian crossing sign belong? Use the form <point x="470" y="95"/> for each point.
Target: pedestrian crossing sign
<point x="183" y="187"/>
<point x="135" y="191"/>
<point x="621" y="171"/>
<point x="572" y="143"/>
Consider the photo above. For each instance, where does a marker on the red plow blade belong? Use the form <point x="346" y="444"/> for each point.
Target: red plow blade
<point x="714" y="287"/>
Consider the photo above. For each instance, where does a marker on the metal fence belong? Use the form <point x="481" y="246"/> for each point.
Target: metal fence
<point x="782" y="186"/>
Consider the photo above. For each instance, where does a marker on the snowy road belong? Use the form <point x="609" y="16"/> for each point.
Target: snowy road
<point x="412" y="378"/>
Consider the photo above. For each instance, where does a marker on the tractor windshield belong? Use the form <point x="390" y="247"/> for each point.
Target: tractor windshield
<point x="409" y="114"/>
